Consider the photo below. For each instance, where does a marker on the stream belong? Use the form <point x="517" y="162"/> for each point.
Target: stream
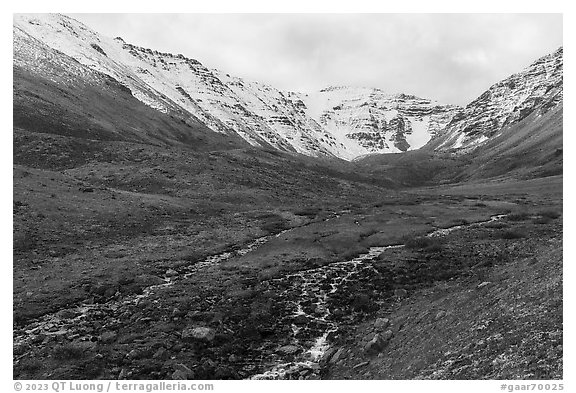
<point x="317" y="285"/>
<point x="309" y="316"/>
<point x="54" y="324"/>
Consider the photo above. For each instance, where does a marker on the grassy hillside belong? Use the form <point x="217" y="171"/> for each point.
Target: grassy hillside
<point x="530" y="149"/>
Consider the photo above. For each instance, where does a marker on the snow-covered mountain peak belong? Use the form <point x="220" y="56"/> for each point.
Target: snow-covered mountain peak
<point x="340" y="121"/>
<point x="375" y="120"/>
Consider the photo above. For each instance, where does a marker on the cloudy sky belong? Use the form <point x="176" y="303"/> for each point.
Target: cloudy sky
<point x="452" y="58"/>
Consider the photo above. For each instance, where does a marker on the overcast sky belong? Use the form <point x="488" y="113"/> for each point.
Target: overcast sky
<point x="452" y="58"/>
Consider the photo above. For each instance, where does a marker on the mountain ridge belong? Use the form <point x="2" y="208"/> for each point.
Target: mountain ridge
<point x="336" y="121"/>
<point x="260" y="114"/>
<point x="537" y="88"/>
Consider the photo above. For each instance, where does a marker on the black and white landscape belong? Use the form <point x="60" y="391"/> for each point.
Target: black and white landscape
<point x="173" y="221"/>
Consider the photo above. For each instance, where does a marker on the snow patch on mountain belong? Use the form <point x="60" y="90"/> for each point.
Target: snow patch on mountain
<point x="368" y="120"/>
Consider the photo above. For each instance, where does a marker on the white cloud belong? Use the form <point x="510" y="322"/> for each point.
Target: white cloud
<point x="476" y="57"/>
<point x="449" y="57"/>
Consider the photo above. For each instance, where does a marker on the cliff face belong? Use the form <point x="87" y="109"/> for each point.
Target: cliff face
<point x="537" y="89"/>
<point x="368" y="120"/>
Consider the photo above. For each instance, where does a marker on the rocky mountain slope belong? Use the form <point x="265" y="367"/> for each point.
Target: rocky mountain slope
<point x="535" y="90"/>
<point x="377" y="122"/>
<point x="341" y="122"/>
<point x="513" y="130"/>
<point x="55" y="94"/>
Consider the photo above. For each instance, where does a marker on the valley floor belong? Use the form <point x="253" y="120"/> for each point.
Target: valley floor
<point x="158" y="266"/>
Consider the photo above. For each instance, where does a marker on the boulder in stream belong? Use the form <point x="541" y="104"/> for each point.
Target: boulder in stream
<point x="289" y="349"/>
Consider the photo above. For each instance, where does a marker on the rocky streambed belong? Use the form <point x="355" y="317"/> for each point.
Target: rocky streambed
<point x="64" y="322"/>
<point x="316" y="291"/>
<point x="314" y="304"/>
<point x="311" y="319"/>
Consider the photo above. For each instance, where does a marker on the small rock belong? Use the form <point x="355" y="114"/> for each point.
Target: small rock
<point x="337" y="355"/>
<point x="360" y="365"/>
<point x="199" y="334"/>
<point x="289" y="349"/>
<point x="333" y="335"/>
<point x="441" y="314"/>
<point x="378" y="342"/>
<point x="171" y="273"/>
<point x="67" y="314"/>
<point x="387" y="335"/>
<point x="185" y="370"/>
<point x="381" y="323"/>
<point x="233" y="358"/>
<point x="375" y="345"/>
<point x="400" y="293"/>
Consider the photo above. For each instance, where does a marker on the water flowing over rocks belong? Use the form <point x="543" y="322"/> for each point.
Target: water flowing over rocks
<point x="314" y="303"/>
<point x="84" y="318"/>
